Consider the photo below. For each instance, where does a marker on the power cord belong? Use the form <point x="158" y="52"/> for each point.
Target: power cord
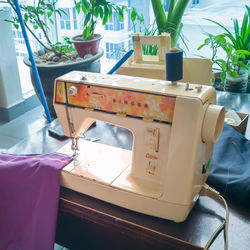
<point x="212" y="193"/>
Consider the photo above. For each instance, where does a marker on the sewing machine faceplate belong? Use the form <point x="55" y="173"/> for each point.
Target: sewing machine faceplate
<point x="117" y="101"/>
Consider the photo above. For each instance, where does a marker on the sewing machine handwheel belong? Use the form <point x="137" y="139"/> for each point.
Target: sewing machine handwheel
<point x="213" y="123"/>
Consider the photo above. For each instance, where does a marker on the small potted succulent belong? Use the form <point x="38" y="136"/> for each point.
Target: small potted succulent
<point x="93" y="11"/>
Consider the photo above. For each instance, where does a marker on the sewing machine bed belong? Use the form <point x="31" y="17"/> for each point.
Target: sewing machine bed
<point x="98" y="162"/>
<point x="104" y="172"/>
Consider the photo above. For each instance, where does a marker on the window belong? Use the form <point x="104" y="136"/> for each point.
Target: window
<point x="113" y="23"/>
<point x="17" y="34"/>
<point x="74" y="18"/>
<point x="20" y="54"/>
<point x="114" y="50"/>
<point x="118" y="34"/>
<point x="194" y="2"/>
<point x="166" y="4"/>
<point x="21" y="41"/>
<point x="65" y="19"/>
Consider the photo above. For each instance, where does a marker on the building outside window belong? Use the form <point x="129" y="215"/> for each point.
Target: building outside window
<point x="194" y="2"/>
<point x="65" y="19"/>
<point x="114" y="24"/>
<point x="114" y="50"/>
<point x="115" y="42"/>
<point x="74" y="18"/>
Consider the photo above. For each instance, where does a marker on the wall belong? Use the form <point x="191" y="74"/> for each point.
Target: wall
<point x="12" y="103"/>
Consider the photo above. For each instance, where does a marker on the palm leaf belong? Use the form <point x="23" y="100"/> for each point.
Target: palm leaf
<point x="248" y="42"/>
<point x="243" y="32"/>
<point x="228" y="34"/>
<point x="170" y="8"/>
<point x="238" y="44"/>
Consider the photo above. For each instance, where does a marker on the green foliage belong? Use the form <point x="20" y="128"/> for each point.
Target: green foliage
<point x="64" y="47"/>
<point x="139" y="25"/>
<point x="240" y="38"/>
<point x="95" y="10"/>
<point x="150" y="49"/>
<point x="234" y="60"/>
<point x="236" y="46"/>
<point x="34" y="17"/>
<point x="170" y="23"/>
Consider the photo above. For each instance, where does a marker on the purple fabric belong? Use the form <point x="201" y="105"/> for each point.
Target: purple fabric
<point x="29" y="192"/>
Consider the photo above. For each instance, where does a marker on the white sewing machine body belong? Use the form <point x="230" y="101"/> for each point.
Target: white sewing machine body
<point x="174" y="128"/>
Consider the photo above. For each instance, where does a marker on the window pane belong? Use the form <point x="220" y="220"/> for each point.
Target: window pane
<point x="68" y="25"/>
<point x="74" y="18"/>
<point x="65" y="19"/>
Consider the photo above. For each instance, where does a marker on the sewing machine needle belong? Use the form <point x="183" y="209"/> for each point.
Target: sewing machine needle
<point x="94" y="139"/>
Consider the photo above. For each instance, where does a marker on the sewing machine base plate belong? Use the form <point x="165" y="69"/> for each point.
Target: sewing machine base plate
<point x="103" y="172"/>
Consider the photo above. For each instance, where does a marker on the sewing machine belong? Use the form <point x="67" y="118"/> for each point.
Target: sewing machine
<point x="174" y="127"/>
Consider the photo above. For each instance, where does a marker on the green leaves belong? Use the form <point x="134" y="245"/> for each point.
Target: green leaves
<point x="100" y="12"/>
<point x="78" y="7"/>
<point x="16" y="26"/>
<point x="172" y="22"/>
<point x="49" y="14"/>
<point x="235" y="44"/>
<point x="234" y="59"/>
<point x="35" y="14"/>
<point x="120" y="13"/>
<point x="241" y="36"/>
<point x="65" y="47"/>
<point x="134" y="15"/>
<point x="87" y="19"/>
<point x="243" y="52"/>
<point x="95" y="10"/>
<point x="106" y="14"/>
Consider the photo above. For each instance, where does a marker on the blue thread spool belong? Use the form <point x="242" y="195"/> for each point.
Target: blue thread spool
<point x="174" y="65"/>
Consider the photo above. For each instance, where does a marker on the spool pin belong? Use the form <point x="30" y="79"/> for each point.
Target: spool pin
<point x="174" y="65"/>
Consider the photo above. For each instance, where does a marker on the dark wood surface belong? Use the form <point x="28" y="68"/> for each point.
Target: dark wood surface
<point x="87" y="223"/>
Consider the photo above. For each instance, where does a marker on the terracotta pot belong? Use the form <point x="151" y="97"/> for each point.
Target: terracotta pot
<point x="86" y="47"/>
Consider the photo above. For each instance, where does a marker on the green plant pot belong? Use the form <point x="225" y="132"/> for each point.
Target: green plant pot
<point x="236" y="84"/>
<point x="216" y="81"/>
<point x="248" y="84"/>
<point x="48" y="74"/>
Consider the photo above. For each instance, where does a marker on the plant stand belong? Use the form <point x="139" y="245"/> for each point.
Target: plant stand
<point x="195" y="70"/>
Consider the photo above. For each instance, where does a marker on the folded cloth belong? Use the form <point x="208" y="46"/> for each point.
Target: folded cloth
<point x="230" y="172"/>
<point x="29" y="192"/>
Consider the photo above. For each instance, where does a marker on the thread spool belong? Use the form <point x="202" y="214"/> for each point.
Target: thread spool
<point x="174" y="65"/>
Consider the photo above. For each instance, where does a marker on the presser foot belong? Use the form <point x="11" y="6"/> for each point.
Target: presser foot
<point x="75" y="148"/>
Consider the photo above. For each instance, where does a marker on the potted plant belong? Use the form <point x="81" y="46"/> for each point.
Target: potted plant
<point x="54" y="59"/>
<point x="139" y="26"/>
<point x="233" y="72"/>
<point x="170" y="22"/>
<point x="234" y="67"/>
<point x="93" y="11"/>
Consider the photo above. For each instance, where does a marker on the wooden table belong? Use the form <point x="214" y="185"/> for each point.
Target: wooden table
<point x="87" y="223"/>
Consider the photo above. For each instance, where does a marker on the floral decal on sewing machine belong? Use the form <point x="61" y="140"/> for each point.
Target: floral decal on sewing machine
<point x="119" y="101"/>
